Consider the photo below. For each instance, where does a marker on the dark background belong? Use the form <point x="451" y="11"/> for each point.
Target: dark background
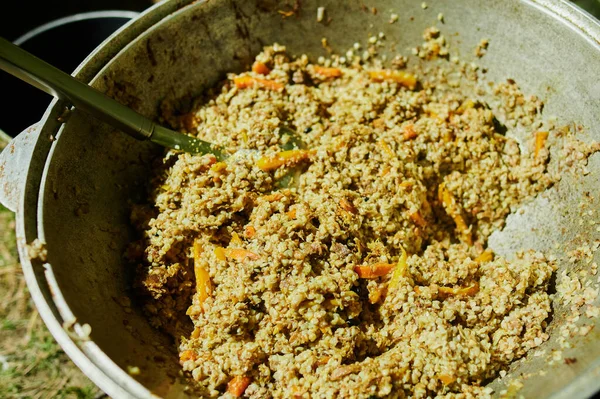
<point x="63" y="46"/>
<point x="20" y="16"/>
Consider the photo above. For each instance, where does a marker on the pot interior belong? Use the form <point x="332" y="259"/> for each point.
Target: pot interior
<point x="95" y="174"/>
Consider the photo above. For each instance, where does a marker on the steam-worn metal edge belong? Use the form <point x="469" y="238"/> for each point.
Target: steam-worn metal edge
<point x="575" y="17"/>
<point x="93" y="362"/>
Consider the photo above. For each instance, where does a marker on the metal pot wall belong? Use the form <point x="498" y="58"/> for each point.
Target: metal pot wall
<point x="72" y="183"/>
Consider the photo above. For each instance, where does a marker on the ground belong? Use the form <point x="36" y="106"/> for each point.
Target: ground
<point x="32" y="364"/>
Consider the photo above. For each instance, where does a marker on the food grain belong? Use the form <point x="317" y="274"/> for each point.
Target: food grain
<point x="284" y="290"/>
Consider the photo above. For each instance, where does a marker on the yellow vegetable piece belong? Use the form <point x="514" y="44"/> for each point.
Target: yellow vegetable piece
<point x="273" y="197"/>
<point x="220" y="253"/>
<point x="375" y="295"/>
<point x="218" y="167"/>
<point x="418" y="219"/>
<point x="291" y="213"/>
<point x="406" y="79"/>
<point x="465" y="106"/>
<point x="373" y="271"/>
<point x="260" y="68"/>
<point x="540" y="142"/>
<point x="328" y="72"/>
<point x="238" y="254"/>
<point x="386" y="148"/>
<point x="187" y="355"/>
<point x="284" y="158"/>
<point x="446" y="379"/>
<point x="203" y="284"/>
<point x="400" y="271"/>
<point x="236" y="241"/>
<point x="237" y="385"/>
<point x="485" y="256"/>
<point x="453" y="209"/>
<point x="196" y="333"/>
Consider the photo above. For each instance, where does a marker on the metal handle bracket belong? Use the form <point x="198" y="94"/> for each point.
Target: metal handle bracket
<point x="14" y="164"/>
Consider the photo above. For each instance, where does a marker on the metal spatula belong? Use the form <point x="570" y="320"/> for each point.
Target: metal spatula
<point x="44" y="76"/>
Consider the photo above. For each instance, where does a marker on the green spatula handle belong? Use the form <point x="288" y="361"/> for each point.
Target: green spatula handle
<point x="53" y="81"/>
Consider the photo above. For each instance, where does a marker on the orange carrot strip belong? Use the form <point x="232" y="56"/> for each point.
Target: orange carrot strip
<point x="409" y="132"/>
<point x="273" y="197"/>
<point x="240" y="254"/>
<point x="284" y="158"/>
<point x="418" y="219"/>
<point x="540" y="142"/>
<point x="237" y="385"/>
<point x="203" y="284"/>
<point x="404" y="78"/>
<point x="244" y="82"/>
<point x="328" y="72"/>
<point x="260" y="68"/>
<point x="343" y="371"/>
<point x="291" y="213"/>
<point x="446" y="379"/>
<point x="250" y="232"/>
<point x="373" y="271"/>
<point x="348" y="206"/>
<point x="187" y="355"/>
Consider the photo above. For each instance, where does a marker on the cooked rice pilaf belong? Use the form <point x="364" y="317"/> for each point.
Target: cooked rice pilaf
<point x="341" y="250"/>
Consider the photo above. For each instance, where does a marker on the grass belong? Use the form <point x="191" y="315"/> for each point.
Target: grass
<point x="32" y="364"/>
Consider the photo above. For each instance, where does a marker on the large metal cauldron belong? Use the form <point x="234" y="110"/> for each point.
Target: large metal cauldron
<point x="71" y="183"/>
